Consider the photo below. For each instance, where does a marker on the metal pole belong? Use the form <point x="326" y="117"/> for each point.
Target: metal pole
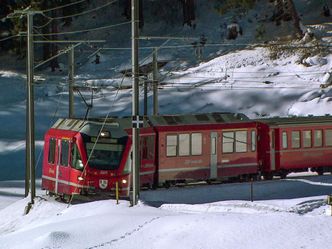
<point x="251" y="189"/>
<point x="135" y="99"/>
<point x="155" y="83"/>
<point x="117" y="192"/>
<point x="71" y="72"/>
<point x="30" y="140"/>
<point x="145" y="97"/>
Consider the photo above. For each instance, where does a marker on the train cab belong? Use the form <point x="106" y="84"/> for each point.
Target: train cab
<point x="82" y="156"/>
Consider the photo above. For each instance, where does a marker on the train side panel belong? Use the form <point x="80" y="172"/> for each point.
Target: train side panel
<point x="183" y="163"/>
<point x="295" y="148"/>
<point x="238" y="158"/>
<point x="215" y="156"/>
<point x="305" y="147"/>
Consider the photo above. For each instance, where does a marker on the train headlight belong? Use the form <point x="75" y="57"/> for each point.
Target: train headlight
<point x="124" y="181"/>
<point x="80" y="178"/>
<point x="105" y="134"/>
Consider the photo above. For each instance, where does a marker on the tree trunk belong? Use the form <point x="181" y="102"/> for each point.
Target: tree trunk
<point x="188" y="12"/>
<point x="295" y="17"/>
<point x="285" y="11"/>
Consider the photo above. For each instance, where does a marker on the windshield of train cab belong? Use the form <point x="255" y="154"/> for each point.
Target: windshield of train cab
<point x="106" y="154"/>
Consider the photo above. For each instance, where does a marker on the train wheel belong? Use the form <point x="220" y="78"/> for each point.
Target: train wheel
<point x="154" y="186"/>
<point x="254" y="177"/>
<point x="167" y="184"/>
<point x="283" y="175"/>
<point x="50" y="194"/>
<point x="320" y="172"/>
<point x="268" y="176"/>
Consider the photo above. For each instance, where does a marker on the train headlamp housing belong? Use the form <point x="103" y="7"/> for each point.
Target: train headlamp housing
<point x="124" y="181"/>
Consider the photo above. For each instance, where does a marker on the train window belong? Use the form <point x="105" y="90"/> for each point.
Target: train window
<point x="76" y="158"/>
<point x="307" y="139"/>
<point x="328" y="137"/>
<point x="64" y="158"/>
<point x="196" y="144"/>
<point x="51" y="151"/>
<point x="318" y="141"/>
<point x="241" y="141"/>
<point x="228" y="142"/>
<point x="184" y="141"/>
<point x="253" y="140"/>
<point x="104" y="156"/>
<point x="284" y="140"/>
<point x="171" y="144"/>
<point x="295" y="139"/>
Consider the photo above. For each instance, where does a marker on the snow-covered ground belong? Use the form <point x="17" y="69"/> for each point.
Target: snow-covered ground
<point x="215" y="216"/>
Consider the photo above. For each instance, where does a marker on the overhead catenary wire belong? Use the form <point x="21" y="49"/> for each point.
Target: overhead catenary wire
<point x="245" y="88"/>
<point x="9" y="37"/>
<point x="73" y="15"/>
<point x="84" y="30"/>
<point x="44" y="25"/>
<point x="63" y="6"/>
<point x="83" y="12"/>
<point x="211" y="84"/>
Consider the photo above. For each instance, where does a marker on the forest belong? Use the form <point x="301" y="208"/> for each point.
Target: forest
<point x="173" y="12"/>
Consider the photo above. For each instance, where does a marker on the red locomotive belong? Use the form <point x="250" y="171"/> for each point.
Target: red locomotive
<point x="93" y="155"/>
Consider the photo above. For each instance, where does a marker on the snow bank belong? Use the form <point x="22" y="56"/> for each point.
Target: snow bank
<point x="231" y="224"/>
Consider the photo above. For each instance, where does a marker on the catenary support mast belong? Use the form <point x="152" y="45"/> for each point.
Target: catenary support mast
<point x="155" y="82"/>
<point x="30" y="123"/>
<point x="71" y="73"/>
<point x="135" y="100"/>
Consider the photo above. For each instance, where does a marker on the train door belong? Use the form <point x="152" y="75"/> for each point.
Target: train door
<point x="213" y="155"/>
<point x="272" y="150"/>
<point x="62" y="167"/>
<point x="148" y="168"/>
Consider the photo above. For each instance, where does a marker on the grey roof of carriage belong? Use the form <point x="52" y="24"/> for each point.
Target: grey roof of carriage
<point x="296" y="120"/>
<point x="189" y="119"/>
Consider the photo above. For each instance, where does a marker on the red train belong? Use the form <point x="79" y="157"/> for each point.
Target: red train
<point x="82" y="156"/>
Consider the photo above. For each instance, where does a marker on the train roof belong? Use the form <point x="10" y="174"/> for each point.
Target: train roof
<point x="194" y="119"/>
<point x="160" y="120"/>
<point x="295" y="120"/>
<point x="117" y="126"/>
<point x="92" y="127"/>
